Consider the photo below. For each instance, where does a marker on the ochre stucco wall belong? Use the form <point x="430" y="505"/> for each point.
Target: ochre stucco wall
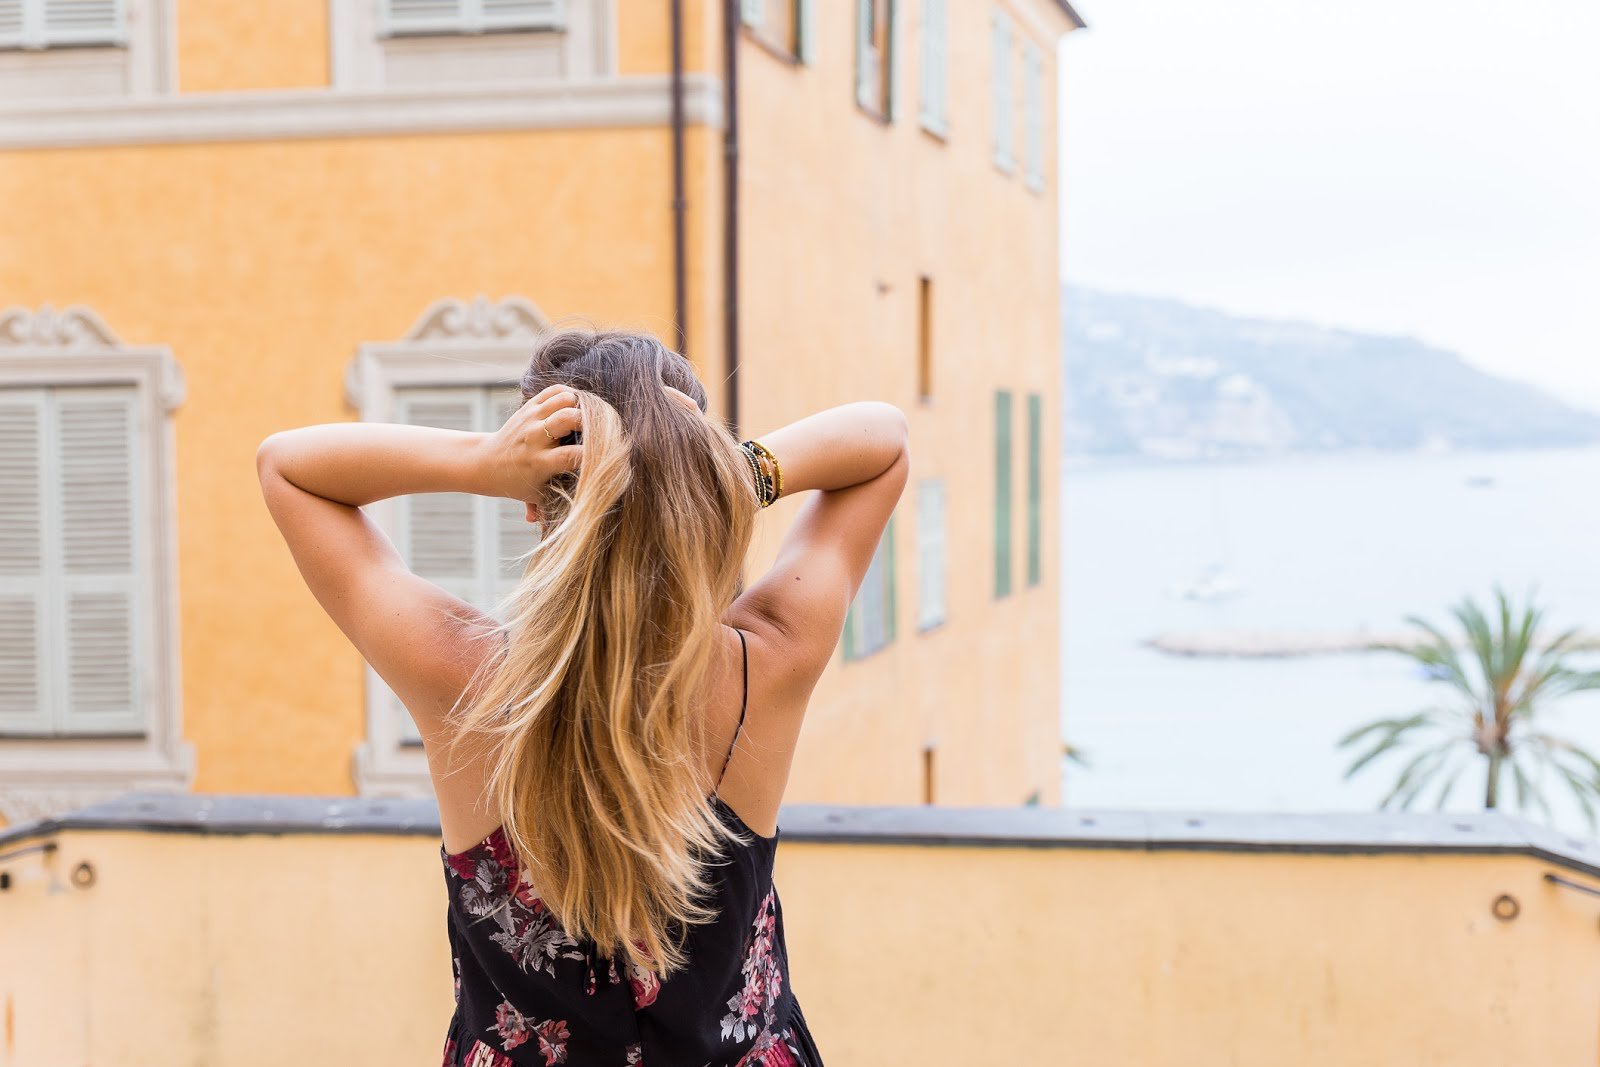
<point x="263" y="266"/>
<point x="262" y="951"/>
<point x="226" y="45"/>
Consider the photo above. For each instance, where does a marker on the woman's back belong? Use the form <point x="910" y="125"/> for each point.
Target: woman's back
<point x="528" y="993"/>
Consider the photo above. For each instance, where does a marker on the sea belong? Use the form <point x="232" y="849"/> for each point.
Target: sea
<point x="1331" y="542"/>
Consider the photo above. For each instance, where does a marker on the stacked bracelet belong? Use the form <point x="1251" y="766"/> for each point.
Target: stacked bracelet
<point x="768" y="487"/>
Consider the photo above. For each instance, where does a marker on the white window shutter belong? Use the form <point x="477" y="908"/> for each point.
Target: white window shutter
<point x="523" y="14"/>
<point x="931" y="555"/>
<point x="935" y="72"/>
<point x="99" y="522"/>
<point x="805" y="31"/>
<point x="439" y="531"/>
<point x="24" y="679"/>
<point x="752" y="11"/>
<point x="1033" y="118"/>
<point x="513" y="534"/>
<point x="11" y="24"/>
<point x="1000" y="72"/>
<point x="82" y="22"/>
<point x="422" y="16"/>
<point x="866" y="57"/>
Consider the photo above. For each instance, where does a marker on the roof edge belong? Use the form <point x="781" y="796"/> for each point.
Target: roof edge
<point x="1342" y="833"/>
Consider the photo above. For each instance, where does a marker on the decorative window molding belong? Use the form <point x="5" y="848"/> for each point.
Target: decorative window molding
<point x="379" y="44"/>
<point x="630" y="100"/>
<point x="932" y="557"/>
<point x="869" y="624"/>
<point x="92" y="48"/>
<point x="447" y="367"/>
<point x="122" y="730"/>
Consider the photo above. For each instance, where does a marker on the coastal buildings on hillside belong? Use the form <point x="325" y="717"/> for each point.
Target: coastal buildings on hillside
<point x="215" y="225"/>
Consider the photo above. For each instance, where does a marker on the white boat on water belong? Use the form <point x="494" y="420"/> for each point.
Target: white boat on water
<point x="1213" y="584"/>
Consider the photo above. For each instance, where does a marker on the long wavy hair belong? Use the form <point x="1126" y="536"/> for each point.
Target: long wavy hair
<point x="589" y="700"/>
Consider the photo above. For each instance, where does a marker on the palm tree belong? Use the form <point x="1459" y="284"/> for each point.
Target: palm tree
<point x="1507" y="675"/>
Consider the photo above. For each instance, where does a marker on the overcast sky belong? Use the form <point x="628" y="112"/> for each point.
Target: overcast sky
<point x="1422" y="167"/>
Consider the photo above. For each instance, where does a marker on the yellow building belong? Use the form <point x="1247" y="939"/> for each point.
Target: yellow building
<point x="221" y="219"/>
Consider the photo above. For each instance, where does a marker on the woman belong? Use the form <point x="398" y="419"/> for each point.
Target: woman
<point x="610" y="759"/>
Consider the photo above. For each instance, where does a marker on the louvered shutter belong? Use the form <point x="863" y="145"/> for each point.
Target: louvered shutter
<point x="1000" y="73"/>
<point x="931" y="558"/>
<point x="891" y="60"/>
<point x="471" y="16"/>
<point x="513" y="534"/>
<point x="439" y="531"/>
<point x="24" y="681"/>
<point x="935" y="75"/>
<point x="805" y="31"/>
<point x="752" y="12"/>
<point x="11" y="24"/>
<point x="99" y="521"/>
<point x="1033" y="119"/>
<point x="81" y="22"/>
<point x="866" y="57"/>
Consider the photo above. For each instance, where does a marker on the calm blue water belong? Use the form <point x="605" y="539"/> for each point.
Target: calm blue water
<point x="1327" y="543"/>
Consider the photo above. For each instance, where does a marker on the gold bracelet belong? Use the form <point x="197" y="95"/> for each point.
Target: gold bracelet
<point x="778" y="472"/>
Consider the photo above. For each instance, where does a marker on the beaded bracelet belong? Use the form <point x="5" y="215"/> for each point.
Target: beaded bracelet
<point x="768" y="487"/>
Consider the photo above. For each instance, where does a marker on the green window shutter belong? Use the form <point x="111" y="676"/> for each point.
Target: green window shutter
<point x="891" y="60"/>
<point x="1002" y="492"/>
<point x="98" y="519"/>
<point x="805" y="31"/>
<point x="1035" y="486"/>
<point x="24" y="677"/>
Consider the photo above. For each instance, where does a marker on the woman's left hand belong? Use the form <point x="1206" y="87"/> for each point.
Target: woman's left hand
<point x="525" y="453"/>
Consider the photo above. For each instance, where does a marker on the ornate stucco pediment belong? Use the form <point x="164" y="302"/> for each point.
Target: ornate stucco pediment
<point x="478" y="320"/>
<point x="72" y="327"/>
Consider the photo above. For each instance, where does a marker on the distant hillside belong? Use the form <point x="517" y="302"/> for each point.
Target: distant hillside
<point x="1158" y="378"/>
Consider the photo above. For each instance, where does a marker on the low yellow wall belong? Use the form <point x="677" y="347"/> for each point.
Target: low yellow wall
<point x="236" y="951"/>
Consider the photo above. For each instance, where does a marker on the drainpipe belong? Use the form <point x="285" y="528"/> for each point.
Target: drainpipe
<point x="680" y="205"/>
<point x="730" y="204"/>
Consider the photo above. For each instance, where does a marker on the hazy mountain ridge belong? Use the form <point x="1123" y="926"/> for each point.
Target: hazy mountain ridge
<point x="1158" y="378"/>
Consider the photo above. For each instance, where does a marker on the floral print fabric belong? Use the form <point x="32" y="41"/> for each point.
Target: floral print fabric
<point x="528" y="993"/>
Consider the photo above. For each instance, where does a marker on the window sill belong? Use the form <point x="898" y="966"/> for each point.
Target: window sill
<point x="874" y="114"/>
<point x="776" y="51"/>
<point x="46" y="776"/>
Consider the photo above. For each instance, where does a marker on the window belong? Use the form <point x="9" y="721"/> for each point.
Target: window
<point x="1035" y="487"/>
<point x="467" y="545"/>
<point x="88" y="616"/>
<point x="875" y="56"/>
<point x="935" y="67"/>
<point x="381" y="44"/>
<point x="869" y="624"/>
<point x="457" y="368"/>
<point x="782" y="24"/>
<point x="925" y="338"/>
<point x="931" y="554"/>
<point x="75" y="48"/>
<point x="1000" y="92"/>
<point x="1032" y="118"/>
<point x="1002" y="493"/>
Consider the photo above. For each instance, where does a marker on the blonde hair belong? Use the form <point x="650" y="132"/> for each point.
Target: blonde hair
<point x="589" y="700"/>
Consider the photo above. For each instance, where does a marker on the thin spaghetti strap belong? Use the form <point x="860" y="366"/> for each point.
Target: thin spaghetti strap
<point x="744" y="701"/>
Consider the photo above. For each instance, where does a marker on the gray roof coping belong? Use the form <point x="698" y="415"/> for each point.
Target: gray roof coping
<point x="1343" y="833"/>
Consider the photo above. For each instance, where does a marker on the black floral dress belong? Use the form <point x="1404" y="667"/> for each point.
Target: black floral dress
<point x="527" y="993"/>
